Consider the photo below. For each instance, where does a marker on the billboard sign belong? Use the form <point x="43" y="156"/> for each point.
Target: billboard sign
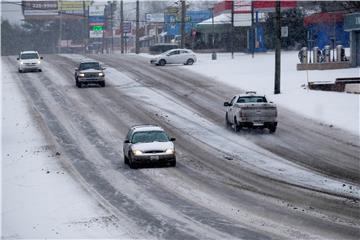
<point x="73" y="7"/>
<point x="96" y="10"/>
<point x="242" y="13"/>
<point x="96" y="34"/>
<point x="40" y="8"/>
<point x="154" y="17"/>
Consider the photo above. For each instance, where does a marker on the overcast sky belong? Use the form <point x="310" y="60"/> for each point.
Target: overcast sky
<point x="11" y="12"/>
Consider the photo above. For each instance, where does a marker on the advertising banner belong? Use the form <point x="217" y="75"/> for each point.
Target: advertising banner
<point x="73" y="7"/>
<point x="96" y="34"/>
<point x="242" y="13"/>
<point x="154" y="17"/>
<point x="96" y="10"/>
<point x="40" y="8"/>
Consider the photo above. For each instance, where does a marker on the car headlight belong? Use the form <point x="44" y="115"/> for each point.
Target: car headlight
<point x="137" y="152"/>
<point x="81" y="75"/>
<point x="170" y="151"/>
<point x="101" y="74"/>
<point x="39" y="62"/>
<point x="21" y="62"/>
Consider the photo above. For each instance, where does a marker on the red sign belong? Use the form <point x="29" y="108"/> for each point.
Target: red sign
<point x="258" y="5"/>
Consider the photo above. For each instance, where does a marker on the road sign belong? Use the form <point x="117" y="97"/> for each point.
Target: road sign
<point x="96" y="10"/>
<point x="96" y="34"/>
<point x="284" y="31"/>
<point x="97" y="28"/>
<point x="154" y="17"/>
<point x="127" y="27"/>
<point x="96" y="19"/>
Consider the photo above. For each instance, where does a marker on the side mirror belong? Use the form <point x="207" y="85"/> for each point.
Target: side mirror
<point x="227" y="104"/>
<point x="17" y="58"/>
<point x="41" y="57"/>
<point x="172" y="139"/>
<point x="126" y="141"/>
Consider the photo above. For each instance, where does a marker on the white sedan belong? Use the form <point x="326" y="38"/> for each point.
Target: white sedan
<point x="175" y="56"/>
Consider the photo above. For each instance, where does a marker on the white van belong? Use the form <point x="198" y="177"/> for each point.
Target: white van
<point x="29" y="61"/>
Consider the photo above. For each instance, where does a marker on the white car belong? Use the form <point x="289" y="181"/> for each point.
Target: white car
<point x="175" y="56"/>
<point x="29" y="61"/>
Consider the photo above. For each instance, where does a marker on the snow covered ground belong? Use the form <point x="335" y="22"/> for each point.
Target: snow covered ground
<point x="40" y="199"/>
<point x="257" y="74"/>
<point x="245" y="72"/>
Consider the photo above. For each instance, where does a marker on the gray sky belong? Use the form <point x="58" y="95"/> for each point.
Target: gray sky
<point x="11" y="12"/>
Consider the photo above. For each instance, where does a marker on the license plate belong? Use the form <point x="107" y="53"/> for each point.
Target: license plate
<point x="154" y="157"/>
<point x="258" y="123"/>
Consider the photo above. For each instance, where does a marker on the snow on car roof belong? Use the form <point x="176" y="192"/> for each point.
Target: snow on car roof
<point x="88" y="60"/>
<point x="144" y="127"/>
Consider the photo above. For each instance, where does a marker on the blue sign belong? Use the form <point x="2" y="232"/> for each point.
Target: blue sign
<point x="96" y="19"/>
<point x="173" y="23"/>
<point x="127" y="27"/>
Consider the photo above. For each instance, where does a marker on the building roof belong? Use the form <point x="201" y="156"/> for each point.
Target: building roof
<point x="224" y="18"/>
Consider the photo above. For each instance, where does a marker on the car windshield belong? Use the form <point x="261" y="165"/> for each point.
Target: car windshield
<point x="89" y="65"/>
<point x="29" y="56"/>
<point x="149" y="136"/>
<point x="251" y="99"/>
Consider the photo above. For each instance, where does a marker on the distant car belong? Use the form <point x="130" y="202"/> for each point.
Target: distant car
<point x="251" y="110"/>
<point x="148" y="144"/>
<point x="29" y="61"/>
<point x="175" y="56"/>
<point x="89" y="72"/>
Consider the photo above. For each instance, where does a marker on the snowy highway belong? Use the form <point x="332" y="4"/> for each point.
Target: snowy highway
<point x="301" y="182"/>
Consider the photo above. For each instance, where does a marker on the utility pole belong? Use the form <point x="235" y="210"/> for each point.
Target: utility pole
<point x="60" y="28"/>
<point x="85" y="27"/>
<point x="183" y="14"/>
<point x="252" y="30"/>
<point x="277" y="47"/>
<point x="232" y="29"/>
<point x="122" y="25"/>
<point x="137" y="47"/>
<point x="112" y="26"/>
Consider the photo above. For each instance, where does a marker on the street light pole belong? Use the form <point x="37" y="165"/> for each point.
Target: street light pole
<point x="277" y="47"/>
<point x="183" y="14"/>
<point x="213" y="56"/>
<point x="122" y="25"/>
<point x="137" y="46"/>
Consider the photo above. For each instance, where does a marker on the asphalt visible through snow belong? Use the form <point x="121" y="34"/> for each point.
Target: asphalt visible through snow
<point x="208" y="195"/>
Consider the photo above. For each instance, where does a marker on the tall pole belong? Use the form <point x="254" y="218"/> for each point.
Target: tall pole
<point x="122" y="25"/>
<point x="277" y="47"/>
<point x="85" y="28"/>
<point x="232" y="29"/>
<point x="252" y="30"/>
<point x="60" y="28"/>
<point x="183" y="14"/>
<point x="137" y="47"/>
<point x="112" y="26"/>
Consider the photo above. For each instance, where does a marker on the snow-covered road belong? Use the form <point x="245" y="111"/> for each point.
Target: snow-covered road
<point x="302" y="182"/>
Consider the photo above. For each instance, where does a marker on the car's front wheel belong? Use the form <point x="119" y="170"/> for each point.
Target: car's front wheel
<point x="131" y="163"/>
<point x="237" y="126"/>
<point x="78" y="84"/>
<point x="20" y="71"/>
<point x="102" y="84"/>
<point x="272" y="129"/>
<point x="190" y="61"/>
<point x="162" y="62"/>
<point x="227" y="122"/>
<point x="126" y="159"/>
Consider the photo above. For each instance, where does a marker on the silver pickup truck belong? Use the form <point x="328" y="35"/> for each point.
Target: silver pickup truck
<point x="251" y="110"/>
